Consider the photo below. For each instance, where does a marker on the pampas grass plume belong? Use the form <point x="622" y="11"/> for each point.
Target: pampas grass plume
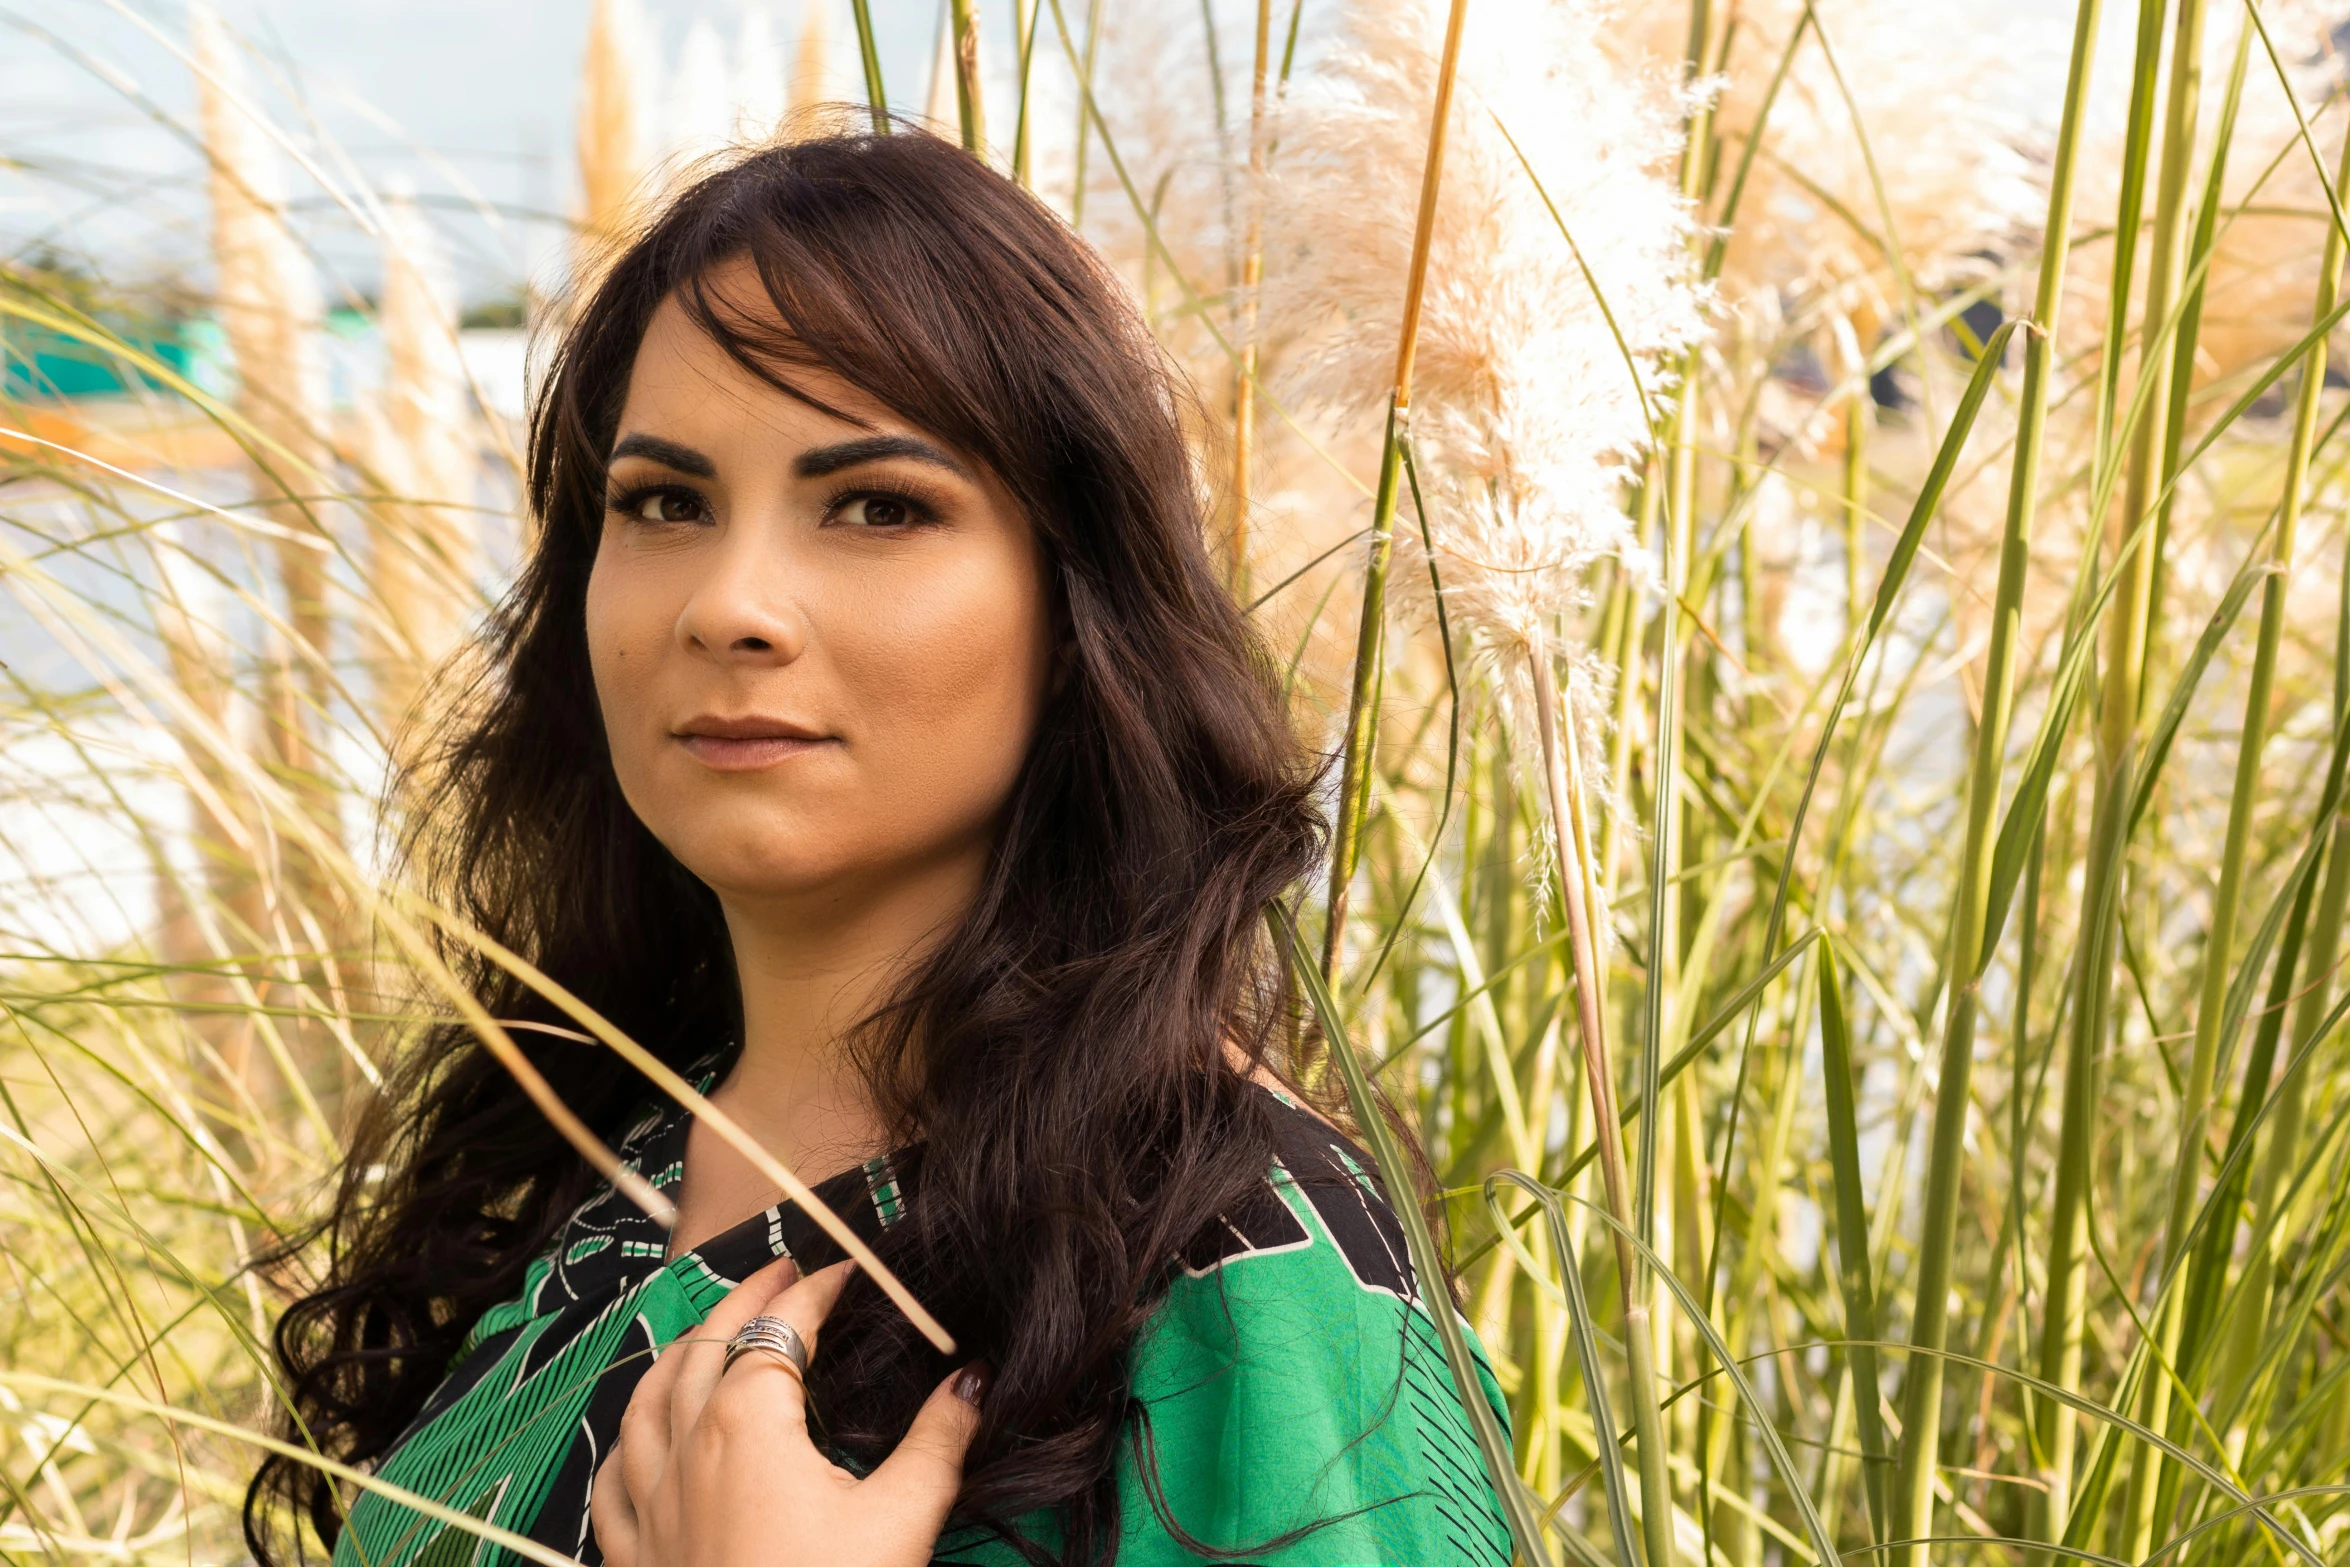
<point x="267" y="297"/>
<point x="421" y="451"/>
<point x="616" y="136"/>
<point x="1526" y="413"/>
<point x="267" y="292"/>
<point x="812" y="75"/>
<point x="1953" y="159"/>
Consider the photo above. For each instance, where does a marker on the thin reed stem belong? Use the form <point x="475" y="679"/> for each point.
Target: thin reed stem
<point x="2219" y="942"/>
<point x="1356" y="767"/>
<point x="1252" y="275"/>
<point x="2129" y="633"/>
<point x="869" y="59"/>
<point x="970" y="114"/>
<point x="1578" y="894"/>
<point x="1912" y="1493"/>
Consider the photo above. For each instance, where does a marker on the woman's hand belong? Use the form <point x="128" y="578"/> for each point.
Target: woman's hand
<point x="717" y="1470"/>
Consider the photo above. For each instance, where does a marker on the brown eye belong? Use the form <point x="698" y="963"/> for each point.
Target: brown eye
<point x="668" y="506"/>
<point x="876" y="511"/>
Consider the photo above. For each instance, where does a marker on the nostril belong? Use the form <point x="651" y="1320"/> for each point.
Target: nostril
<point x="754" y="645"/>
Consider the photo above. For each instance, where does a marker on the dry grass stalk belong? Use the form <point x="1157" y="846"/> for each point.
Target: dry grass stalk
<point x="198" y="927"/>
<point x="938" y="99"/>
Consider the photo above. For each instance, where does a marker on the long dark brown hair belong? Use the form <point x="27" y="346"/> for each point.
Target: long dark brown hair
<point x="1071" y="1058"/>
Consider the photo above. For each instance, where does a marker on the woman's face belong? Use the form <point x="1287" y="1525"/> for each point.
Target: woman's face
<point x="820" y="644"/>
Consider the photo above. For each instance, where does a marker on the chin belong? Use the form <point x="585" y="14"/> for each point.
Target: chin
<point x="757" y="871"/>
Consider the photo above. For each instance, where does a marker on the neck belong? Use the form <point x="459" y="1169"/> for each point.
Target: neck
<point x="811" y="968"/>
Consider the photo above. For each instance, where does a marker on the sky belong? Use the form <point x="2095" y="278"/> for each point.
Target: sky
<point x="470" y="100"/>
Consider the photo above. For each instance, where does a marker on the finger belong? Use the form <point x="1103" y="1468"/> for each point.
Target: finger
<point x="641" y="1451"/>
<point x="697" y="1370"/>
<point x="920" y="1479"/>
<point x="640" y="1447"/>
<point x="808" y="1303"/>
<point x="766" y="1381"/>
<point x="612" y="1515"/>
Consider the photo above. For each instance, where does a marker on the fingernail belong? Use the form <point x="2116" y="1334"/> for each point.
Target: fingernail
<point x="971" y="1384"/>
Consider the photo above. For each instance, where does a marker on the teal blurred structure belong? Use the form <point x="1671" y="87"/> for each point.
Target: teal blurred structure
<point x="42" y="363"/>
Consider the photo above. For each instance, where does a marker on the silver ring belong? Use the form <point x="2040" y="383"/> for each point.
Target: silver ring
<point x="770" y="1336"/>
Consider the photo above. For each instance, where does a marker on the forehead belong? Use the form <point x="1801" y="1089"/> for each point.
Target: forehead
<point x="681" y="374"/>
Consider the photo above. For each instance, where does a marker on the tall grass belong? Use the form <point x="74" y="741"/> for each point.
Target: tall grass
<point x="1835" y="643"/>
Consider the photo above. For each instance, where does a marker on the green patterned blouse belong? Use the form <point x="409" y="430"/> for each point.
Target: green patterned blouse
<point x="1291" y="1377"/>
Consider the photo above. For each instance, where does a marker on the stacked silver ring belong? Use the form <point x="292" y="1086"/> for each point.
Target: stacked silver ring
<point x="769" y="1336"/>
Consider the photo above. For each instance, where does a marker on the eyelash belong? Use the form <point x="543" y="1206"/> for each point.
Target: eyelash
<point x="920" y="512"/>
<point x="629" y="502"/>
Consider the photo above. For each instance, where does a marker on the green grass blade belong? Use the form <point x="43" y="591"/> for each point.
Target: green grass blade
<point x="1765" y="1433"/>
<point x="1395" y="1172"/>
<point x="1852" y="1243"/>
<point x="1608" y="1454"/>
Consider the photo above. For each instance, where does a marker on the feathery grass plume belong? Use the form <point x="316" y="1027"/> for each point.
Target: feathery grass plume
<point x="1559" y="283"/>
<point x="1182" y="182"/>
<point x="266" y="294"/>
<point x="700" y="117"/>
<point x="1874" y="174"/>
<point x="1526" y="410"/>
<point x="421" y="451"/>
<point x="1165" y="201"/>
<point x="815" y="74"/>
<point x="267" y="298"/>
<point x="616" y="132"/>
<point x="2273" y="217"/>
<point x="1883" y="118"/>
<point x="761" y="78"/>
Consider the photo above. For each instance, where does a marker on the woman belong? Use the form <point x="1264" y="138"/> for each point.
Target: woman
<point x="869" y="736"/>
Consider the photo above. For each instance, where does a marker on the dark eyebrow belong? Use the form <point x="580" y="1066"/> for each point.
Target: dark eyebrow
<point x="667" y="453"/>
<point x="818" y="461"/>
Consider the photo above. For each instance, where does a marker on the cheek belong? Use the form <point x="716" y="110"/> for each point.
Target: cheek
<point x="623" y="634"/>
<point x="952" y="680"/>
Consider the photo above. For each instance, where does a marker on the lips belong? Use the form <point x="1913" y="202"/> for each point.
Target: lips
<point x="745" y="744"/>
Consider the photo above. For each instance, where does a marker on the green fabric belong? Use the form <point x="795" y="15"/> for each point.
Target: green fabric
<point x="1284" y="1391"/>
<point x="1291" y="1378"/>
<point x="495" y="1451"/>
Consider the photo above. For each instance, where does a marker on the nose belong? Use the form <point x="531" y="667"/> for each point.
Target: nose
<point x="743" y="610"/>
